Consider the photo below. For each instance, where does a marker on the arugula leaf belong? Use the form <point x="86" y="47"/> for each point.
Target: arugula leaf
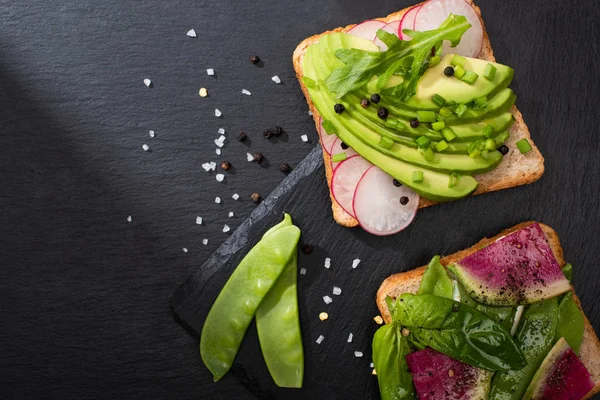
<point x="389" y="358"/>
<point x="408" y="58"/>
<point x="458" y="331"/>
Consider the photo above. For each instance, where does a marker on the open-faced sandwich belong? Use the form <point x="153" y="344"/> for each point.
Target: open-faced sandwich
<point x="499" y="320"/>
<point x="413" y="109"/>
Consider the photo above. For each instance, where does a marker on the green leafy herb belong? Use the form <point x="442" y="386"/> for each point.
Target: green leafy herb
<point x="407" y="58"/>
<point x="570" y="322"/>
<point x="458" y="331"/>
<point x="389" y="358"/>
<point x="567" y="269"/>
<point x="435" y="280"/>
<point x="503" y="315"/>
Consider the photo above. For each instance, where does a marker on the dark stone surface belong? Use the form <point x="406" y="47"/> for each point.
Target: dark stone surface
<point x="85" y="294"/>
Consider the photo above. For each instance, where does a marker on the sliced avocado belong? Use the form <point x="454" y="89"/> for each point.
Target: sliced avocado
<point x="451" y="88"/>
<point x="472" y="131"/>
<point x="497" y="105"/>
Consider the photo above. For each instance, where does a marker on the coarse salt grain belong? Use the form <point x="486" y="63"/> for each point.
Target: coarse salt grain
<point x="355" y="263"/>
<point x="219" y="143"/>
<point x="218" y="113"/>
<point x="151" y="133"/>
<point x="191" y="33"/>
<point x="145" y="147"/>
<point x="358" y="354"/>
<point x="218" y="200"/>
<point x="220" y="177"/>
<point x="249" y="157"/>
<point x="203" y="92"/>
<point x="222" y="138"/>
<point x="185" y="250"/>
<point x="226" y="228"/>
<point x="337" y="291"/>
<point x="213" y="165"/>
<point x="276" y="79"/>
<point x="350" y="336"/>
<point x="310" y="113"/>
<point x="327" y="299"/>
<point x="199" y="220"/>
<point x="302" y="271"/>
<point x="320" y="339"/>
<point x="235" y="196"/>
<point x="205" y="241"/>
<point x="210" y="71"/>
<point x="246" y="92"/>
<point x="148" y="82"/>
<point x="371" y="365"/>
<point x="304" y="138"/>
<point x="218" y="151"/>
<point x="221" y="131"/>
<point x="206" y="166"/>
<point x="230" y="214"/>
<point x="129" y="219"/>
<point x="327" y="262"/>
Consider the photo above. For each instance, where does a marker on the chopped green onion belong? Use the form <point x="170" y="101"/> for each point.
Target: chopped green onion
<point x="475" y="153"/>
<point x="488" y="131"/>
<point x="489" y="72"/>
<point x="460" y="109"/>
<point x="438" y="126"/>
<point x="469" y="77"/>
<point x="309" y="82"/>
<point x="445" y="112"/>
<point x="459" y="71"/>
<point x="490" y="144"/>
<point x="417" y="176"/>
<point x="438" y="100"/>
<point x="339" y="157"/>
<point x="386" y="142"/>
<point x="475" y="145"/>
<point x="426" y="116"/>
<point x="400" y="126"/>
<point x="484" y="154"/>
<point x="454" y="179"/>
<point x="448" y="134"/>
<point x="329" y="127"/>
<point x="501" y="138"/>
<point x="428" y="154"/>
<point x="458" y="61"/>
<point x="423" y="141"/>
<point x="391" y="123"/>
<point x="435" y="60"/>
<point x="441" y="146"/>
<point x="481" y="102"/>
<point x="524" y="146"/>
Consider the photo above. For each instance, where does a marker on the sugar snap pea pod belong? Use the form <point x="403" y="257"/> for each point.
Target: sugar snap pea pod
<point x="287" y="221"/>
<point x="567" y="269"/>
<point x="570" y="322"/>
<point x="389" y="358"/>
<point x="278" y="325"/>
<point x="239" y="299"/>
<point x="535" y="335"/>
<point x="436" y="280"/>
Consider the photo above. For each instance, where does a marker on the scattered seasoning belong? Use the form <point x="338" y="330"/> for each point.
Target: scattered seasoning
<point x="205" y="241"/>
<point x="148" y="82"/>
<point x="396" y="183"/>
<point x="221" y="131"/>
<point x="203" y="92"/>
<point x="382" y="113"/>
<point x="339" y="108"/>
<point x="276" y="79"/>
<point x="320" y="339"/>
<point x="449" y="71"/>
<point x="310" y="113"/>
<point x="226" y="228"/>
<point x="249" y="157"/>
<point x="285" y="168"/>
<point x="191" y="33"/>
<point x="225" y="165"/>
<point x="258" y="157"/>
<point x="378" y="320"/>
<point x="350" y="336"/>
<point x="304" y="138"/>
<point x="358" y="354"/>
<point x="371" y="365"/>
<point x="307" y="249"/>
<point x="218" y="200"/>
<point x="323" y="316"/>
<point x="199" y="220"/>
<point x="337" y="291"/>
<point x="414" y="123"/>
<point x="145" y="147"/>
<point x="268" y="133"/>
<point x="365" y="103"/>
<point x="246" y="92"/>
<point x="218" y="113"/>
<point x="230" y="214"/>
<point x="151" y="133"/>
<point x="450" y="373"/>
<point x="210" y="72"/>
<point x="503" y="149"/>
<point x="327" y="263"/>
<point x="218" y="152"/>
<point x="277" y="130"/>
<point x="404" y="200"/>
<point x="242" y="136"/>
<point x="327" y="299"/>
<point x="235" y="196"/>
<point x="375" y="98"/>
<point x="344" y="146"/>
<point x="373" y="372"/>
<point x="254" y="59"/>
<point x="129" y="219"/>
<point x="355" y="263"/>
<point x="255" y="197"/>
<point x="405" y="332"/>
<point x="302" y="271"/>
<point x="185" y="250"/>
<point x="219" y="177"/>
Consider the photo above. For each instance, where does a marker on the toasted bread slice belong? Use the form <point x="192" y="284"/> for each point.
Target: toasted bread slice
<point x="515" y="169"/>
<point x="408" y="282"/>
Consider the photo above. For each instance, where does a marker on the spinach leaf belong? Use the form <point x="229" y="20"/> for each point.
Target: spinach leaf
<point x="570" y="323"/>
<point x="503" y="315"/>
<point x="389" y="351"/>
<point x="436" y="280"/>
<point x="408" y="58"/>
<point x="458" y="331"/>
<point x="567" y="269"/>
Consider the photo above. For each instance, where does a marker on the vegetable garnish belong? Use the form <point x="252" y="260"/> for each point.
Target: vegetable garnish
<point x="407" y="58"/>
<point x="523" y="146"/>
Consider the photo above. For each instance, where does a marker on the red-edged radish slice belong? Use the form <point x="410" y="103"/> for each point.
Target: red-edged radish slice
<point x="408" y="22"/>
<point x="326" y="139"/>
<point x="367" y="29"/>
<point x="392" y="27"/>
<point x="381" y="207"/>
<point x="344" y="181"/>
<point x="337" y="148"/>
<point x="434" y="12"/>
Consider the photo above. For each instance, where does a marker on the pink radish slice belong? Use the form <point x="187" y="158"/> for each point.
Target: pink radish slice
<point x="378" y="203"/>
<point x="344" y="181"/>
<point x="408" y="22"/>
<point x="367" y="29"/>
<point x="434" y="12"/>
<point x="326" y="139"/>
<point x="336" y="148"/>
<point x="392" y="27"/>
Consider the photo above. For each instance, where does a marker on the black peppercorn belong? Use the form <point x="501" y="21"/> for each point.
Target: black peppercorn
<point x="258" y="157"/>
<point x="242" y="136"/>
<point x="339" y="108"/>
<point x="404" y="200"/>
<point x="503" y="149"/>
<point x="365" y="103"/>
<point x="268" y="134"/>
<point x="277" y="131"/>
<point x="449" y="71"/>
<point x="225" y="165"/>
<point x="255" y="197"/>
<point x="285" y="168"/>
<point x="254" y="59"/>
<point x="382" y="113"/>
<point x="307" y="249"/>
<point x="396" y="183"/>
<point x="375" y="98"/>
<point x="433" y="51"/>
<point x="414" y="123"/>
<point x="344" y="146"/>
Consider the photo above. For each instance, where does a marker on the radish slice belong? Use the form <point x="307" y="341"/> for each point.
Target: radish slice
<point x="344" y="181"/>
<point x="378" y="203"/>
<point x="367" y="29"/>
<point x="336" y="148"/>
<point x="326" y="139"/>
<point x="392" y="27"/>
<point x="408" y="22"/>
<point x="434" y="12"/>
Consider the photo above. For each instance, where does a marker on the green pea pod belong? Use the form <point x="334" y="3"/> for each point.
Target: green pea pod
<point x="567" y="269"/>
<point x="389" y="351"/>
<point x="570" y="323"/>
<point x="435" y="280"/>
<point x="236" y="305"/>
<point x="458" y="331"/>
<point x="503" y="315"/>
<point x="535" y="336"/>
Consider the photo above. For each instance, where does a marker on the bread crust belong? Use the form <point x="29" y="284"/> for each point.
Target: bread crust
<point x="515" y="169"/>
<point x="408" y="282"/>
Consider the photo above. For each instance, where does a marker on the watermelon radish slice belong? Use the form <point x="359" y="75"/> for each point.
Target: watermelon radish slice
<point x="345" y="179"/>
<point x="562" y="376"/>
<point x="434" y="12"/>
<point x="326" y="139"/>
<point x="381" y="207"/>
<point x="519" y="268"/>
<point x="338" y="147"/>
<point x="408" y="22"/>
<point x="437" y="376"/>
<point x="392" y="27"/>
<point x="367" y="29"/>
